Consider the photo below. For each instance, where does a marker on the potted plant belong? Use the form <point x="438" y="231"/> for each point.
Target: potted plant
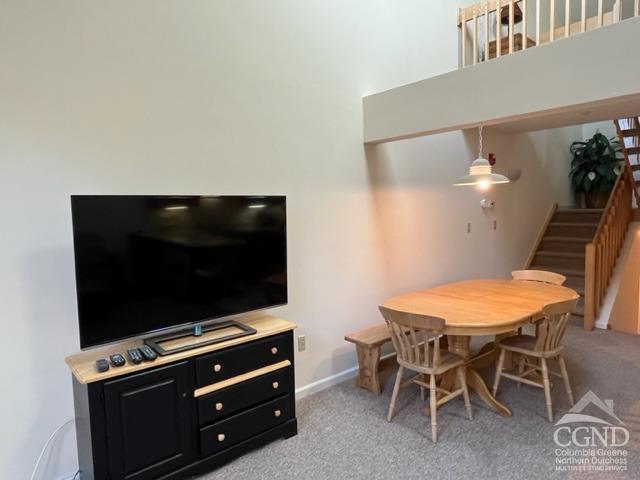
<point x="594" y="169"/>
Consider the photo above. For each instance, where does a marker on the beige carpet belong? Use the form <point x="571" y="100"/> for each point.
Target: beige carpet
<point x="343" y="433"/>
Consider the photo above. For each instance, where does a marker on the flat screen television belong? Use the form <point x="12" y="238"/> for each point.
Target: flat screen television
<point x="151" y="263"/>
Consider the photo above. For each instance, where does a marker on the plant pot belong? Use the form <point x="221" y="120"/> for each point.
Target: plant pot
<point x="596" y="199"/>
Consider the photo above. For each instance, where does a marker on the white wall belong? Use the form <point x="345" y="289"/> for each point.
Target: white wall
<point x="606" y="128"/>
<point x="233" y="96"/>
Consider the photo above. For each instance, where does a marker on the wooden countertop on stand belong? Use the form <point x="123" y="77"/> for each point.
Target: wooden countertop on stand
<point x="83" y="364"/>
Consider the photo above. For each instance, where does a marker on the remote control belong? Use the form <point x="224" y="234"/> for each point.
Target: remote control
<point x="134" y="355"/>
<point x="102" y="365"/>
<point x="117" y="360"/>
<point x="148" y="353"/>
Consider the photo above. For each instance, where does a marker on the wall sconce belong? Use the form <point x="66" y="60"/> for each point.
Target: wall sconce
<point x="513" y="174"/>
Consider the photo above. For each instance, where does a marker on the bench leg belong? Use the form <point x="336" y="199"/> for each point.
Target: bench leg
<point x="368" y="362"/>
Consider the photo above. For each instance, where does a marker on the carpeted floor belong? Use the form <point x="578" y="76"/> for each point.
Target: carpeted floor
<point x="343" y="432"/>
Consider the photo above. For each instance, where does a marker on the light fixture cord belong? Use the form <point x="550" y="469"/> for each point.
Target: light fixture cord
<point x="480" y="141"/>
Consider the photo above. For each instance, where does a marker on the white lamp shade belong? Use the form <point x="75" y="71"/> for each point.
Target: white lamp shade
<point x="480" y="173"/>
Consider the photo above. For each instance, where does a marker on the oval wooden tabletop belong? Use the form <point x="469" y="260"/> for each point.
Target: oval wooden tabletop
<point x="483" y="306"/>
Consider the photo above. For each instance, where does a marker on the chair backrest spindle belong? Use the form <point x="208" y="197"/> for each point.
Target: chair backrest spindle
<point x="551" y="330"/>
<point x="411" y="334"/>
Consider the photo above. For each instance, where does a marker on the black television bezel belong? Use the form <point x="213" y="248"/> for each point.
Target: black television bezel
<point x="185" y="325"/>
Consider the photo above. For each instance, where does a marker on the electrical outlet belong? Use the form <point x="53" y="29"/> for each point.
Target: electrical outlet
<point x="469" y="227"/>
<point x="302" y="343"/>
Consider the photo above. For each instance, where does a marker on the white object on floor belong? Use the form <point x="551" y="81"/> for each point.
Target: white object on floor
<point x="612" y="291"/>
<point x="44" y="449"/>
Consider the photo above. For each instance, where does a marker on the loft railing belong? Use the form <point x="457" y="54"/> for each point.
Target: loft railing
<point x="602" y="252"/>
<point x="493" y="28"/>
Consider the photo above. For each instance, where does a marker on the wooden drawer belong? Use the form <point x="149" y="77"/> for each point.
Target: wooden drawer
<point x="235" y="429"/>
<point x="228" y="401"/>
<point x="227" y="363"/>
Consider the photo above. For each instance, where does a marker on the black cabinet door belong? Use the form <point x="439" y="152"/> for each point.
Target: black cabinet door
<point x="149" y="429"/>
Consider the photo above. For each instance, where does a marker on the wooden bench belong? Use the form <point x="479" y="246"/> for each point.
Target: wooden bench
<point x="368" y="343"/>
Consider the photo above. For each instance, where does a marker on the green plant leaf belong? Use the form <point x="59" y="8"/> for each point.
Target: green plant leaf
<point x="598" y="154"/>
<point x="578" y="180"/>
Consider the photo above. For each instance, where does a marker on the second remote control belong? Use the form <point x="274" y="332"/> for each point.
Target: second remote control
<point x="148" y="353"/>
<point x="117" y="360"/>
<point x="134" y="355"/>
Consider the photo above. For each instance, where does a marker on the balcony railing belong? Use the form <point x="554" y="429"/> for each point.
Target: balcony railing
<point x="493" y="28"/>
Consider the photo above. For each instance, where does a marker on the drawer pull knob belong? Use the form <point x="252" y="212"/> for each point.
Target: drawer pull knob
<point x="221" y="437"/>
<point x="218" y="406"/>
<point x="217" y="367"/>
<point x="274" y="350"/>
<point x="277" y="413"/>
<point x="275" y="385"/>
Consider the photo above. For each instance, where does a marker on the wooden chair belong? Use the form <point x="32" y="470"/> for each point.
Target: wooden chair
<point x="417" y="344"/>
<point x="539" y="276"/>
<point x="544" y="346"/>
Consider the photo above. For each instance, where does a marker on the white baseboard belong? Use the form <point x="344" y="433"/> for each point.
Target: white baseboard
<point x="327" y="382"/>
<point x="616" y="276"/>
<point x="601" y="324"/>
<point x="330" y="381"/>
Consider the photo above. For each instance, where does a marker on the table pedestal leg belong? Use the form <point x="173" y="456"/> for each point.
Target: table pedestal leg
<point x="486" y="357"/>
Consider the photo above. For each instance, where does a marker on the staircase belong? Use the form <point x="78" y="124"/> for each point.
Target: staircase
<point x="629" y="136"/>
<point x="584" y="244"/>
<point x="561" y="248"/>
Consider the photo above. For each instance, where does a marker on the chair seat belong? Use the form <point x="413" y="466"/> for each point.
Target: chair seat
<point x="523" y="342"/>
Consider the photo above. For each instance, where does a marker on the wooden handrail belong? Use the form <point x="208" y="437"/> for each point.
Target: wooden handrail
<point x="602" y="252"/>
<point x="543" y="230"/>
<point x="610" y="202"/>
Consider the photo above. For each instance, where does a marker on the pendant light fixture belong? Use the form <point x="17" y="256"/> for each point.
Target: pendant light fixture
<point x="480" y="172"/>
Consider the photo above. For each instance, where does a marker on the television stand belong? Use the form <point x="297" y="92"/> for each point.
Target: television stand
<point x="198" y="336"/>
<point x="197" y="409"/>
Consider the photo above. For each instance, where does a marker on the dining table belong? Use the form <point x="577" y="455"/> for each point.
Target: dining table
<point x="481" y="307"/>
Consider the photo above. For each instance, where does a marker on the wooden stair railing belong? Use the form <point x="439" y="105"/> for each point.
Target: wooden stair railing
<point x="602" y="252"/>
<point x="560" y="246"/>
<point x="629" y="137"/>
<point x="584" y="244"/>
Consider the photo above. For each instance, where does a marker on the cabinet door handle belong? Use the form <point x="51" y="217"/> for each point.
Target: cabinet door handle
<point x="218" y="406"/>
<point x="274" y="350"/>
<point x="221" y="437"/>
<point x="217" y="367"/>
<point x="277" y="413"/>
<point x="275" y="385"/>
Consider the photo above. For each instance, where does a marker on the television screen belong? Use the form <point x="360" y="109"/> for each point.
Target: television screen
<point x="149" y="263"/>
